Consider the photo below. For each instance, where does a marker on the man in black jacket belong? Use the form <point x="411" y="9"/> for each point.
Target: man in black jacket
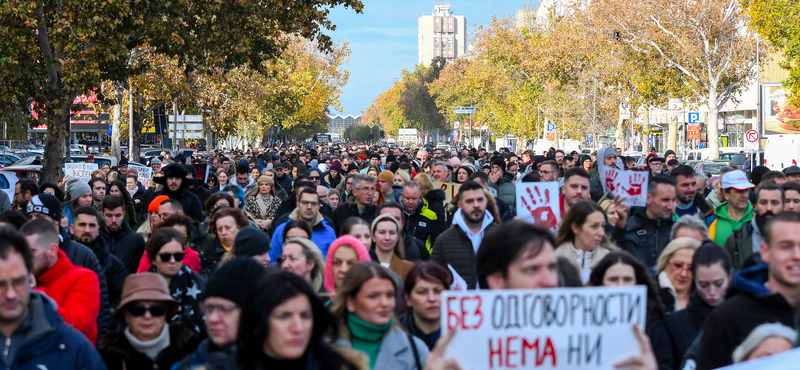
<point x="647" y="231"/>
<point x="48" y="207"/>
<point x="420" y="221"/>
<point x="85" y="228"/>
<point x="769" y="293"/>
<point x="176" y="186"/>
<point x="364" y="191"/>
<point x="198" y="188"/>
<point x="282" y="178"/>
<point x="122" y="242"/>
<point x="458" y="245"/>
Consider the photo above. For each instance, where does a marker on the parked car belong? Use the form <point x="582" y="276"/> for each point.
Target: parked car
<point x="8" y="182"/>
<point x="31" y="172"/>
<point x="100" y="159"/>
<point x="7" y="158"/>
<point x="712" y="168"/>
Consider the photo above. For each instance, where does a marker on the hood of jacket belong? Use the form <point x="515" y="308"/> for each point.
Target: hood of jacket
<point x="295" y="215"/>
<point x="752" y="280"/>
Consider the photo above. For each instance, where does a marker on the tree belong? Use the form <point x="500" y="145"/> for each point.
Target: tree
<point x="776" y="20"/>
<point x="56" y="50"/>
<point x="708" y="41"/>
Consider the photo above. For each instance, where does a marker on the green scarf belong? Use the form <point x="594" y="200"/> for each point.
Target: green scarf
<point x="366" y="337"/>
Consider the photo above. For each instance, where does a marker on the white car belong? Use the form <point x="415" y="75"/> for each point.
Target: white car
<point x="8" y="182"/>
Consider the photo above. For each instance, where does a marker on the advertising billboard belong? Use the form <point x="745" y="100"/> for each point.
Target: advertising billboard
<point x="777" y="113"/>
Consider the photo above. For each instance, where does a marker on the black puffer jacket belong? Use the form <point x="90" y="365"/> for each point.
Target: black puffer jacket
<point x="190" y="202"/>
<point x="115" y="274"/>
<point x="436" y="200"/>
<point x="656" y="330"/>
<point x="119" y="354"/>
<point x="453" y="247"/>
<point x="210" y="258"/>
<point x="81" y="255"/>
<point x="685" y="325"/>
<point x="643" y="237"/>
<point x="345" y="211"/>
<point x="127" y="245"/>
<point x="285" y="182"/>
<point x="139" y="204"/>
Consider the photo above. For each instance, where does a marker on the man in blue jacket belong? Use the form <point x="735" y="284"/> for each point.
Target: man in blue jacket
<point x="33" y="334"/>
<point x="308" y="206"/>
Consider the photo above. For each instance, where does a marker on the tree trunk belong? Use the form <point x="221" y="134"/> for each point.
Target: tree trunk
<point x="116" y="128"/>
<point x="646" y="127"/>
<point x="672" y="140"/>
<point x="621" y="134"/>
<point x="137" y="122"/>
<point x="711" y="120"/>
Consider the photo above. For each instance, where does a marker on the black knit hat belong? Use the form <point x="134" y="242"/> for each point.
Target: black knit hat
<point x="251" y="242"/>
<point x="174" y="170"/>
<point x="233" y="280"/>
<point x="46" y="204"/>
<point x="352" y="166"/>
<point x="499" y="162"/>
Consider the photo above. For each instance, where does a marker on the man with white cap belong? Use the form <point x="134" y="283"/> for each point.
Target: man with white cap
<point x="735" y="211"/>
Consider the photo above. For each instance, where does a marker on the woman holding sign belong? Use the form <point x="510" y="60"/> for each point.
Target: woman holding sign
<point x="365" y="309"/>
<point x="582" y="239"/>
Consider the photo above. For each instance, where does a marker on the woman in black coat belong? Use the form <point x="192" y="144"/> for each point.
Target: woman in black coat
<point x="711" y="268"/>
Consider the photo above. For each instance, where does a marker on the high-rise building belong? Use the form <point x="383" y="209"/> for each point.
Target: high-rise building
<point x="339" y="122"/>
<point x="442" y="34"/>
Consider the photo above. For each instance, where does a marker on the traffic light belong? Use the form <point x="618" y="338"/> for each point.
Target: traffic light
<point x="445" y="109"/>
<point x="383" y="134"/>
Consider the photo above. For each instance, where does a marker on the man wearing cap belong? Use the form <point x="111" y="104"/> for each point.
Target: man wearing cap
<point x="155" y="164"/>
<point x="671" y="163"/>
<point x="24" y="311"/>
<point x="176" y="186"/>
<point x="282" y="178"/>
<point x="655" y="165"/>
<point x="735" y="211"/>
<point x="75" y="290"/>
<point x="223" y="299"/>
<point x="47" y="207"/>
<point x="123" y="166"/>
<point x="669" y="155"/>
<point x="747" y="239"/>
<point x="792" y="173"/>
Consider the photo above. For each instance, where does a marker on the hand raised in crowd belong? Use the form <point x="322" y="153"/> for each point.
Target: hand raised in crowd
<point x="436" y="359"/>
<point x="496" y="175"/>
<point x="622" y="211"/>
<point x="646" y="360"/>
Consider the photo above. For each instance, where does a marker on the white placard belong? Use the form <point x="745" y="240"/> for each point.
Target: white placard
<point x="559" y="328"/>
<point x="458" y="282"/>
<point x="784" y="360"/>
<point x="145" y="174"/>
<point x="630" y="184"/>
<point x="537" y="203"/>
<point x="81" y="171"/>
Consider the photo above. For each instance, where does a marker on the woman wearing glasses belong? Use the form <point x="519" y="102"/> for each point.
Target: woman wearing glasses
<point x="165" y="250"/>
<point x="674" y="273"/>
<point x="147" y="341"/>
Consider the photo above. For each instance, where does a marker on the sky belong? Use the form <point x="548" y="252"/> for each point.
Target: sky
<point x="383" y="40"/>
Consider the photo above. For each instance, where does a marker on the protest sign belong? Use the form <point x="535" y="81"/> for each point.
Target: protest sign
<point x="450" y="189"/>
<point x="630" y="184"/>
<point x="537" y="203"/>
<point x="81" y="171"/>
<point x="784" y="360"/>
<point x="458" y="282"/>
<point x="202" y="172"/>
<point x="145" y="174"/>
<point x="559" y="328"/>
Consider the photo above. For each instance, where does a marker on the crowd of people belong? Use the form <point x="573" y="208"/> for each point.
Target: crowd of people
<point x="335" y="257"/>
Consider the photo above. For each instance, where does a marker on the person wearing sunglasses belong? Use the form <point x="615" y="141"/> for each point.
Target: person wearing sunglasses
<point x="147" y="342"/>
<point x="674" y="272"/>
<point x="165" y="249"/>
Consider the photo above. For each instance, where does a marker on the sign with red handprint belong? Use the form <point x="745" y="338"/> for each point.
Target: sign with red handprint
<point x="537" y="203"/>
<point x="630" y="184"/>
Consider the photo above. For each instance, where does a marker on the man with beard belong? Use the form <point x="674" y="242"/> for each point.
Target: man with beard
<point x="122" y="241"/>
<point x="23" y="192"/>
<point x="176" y="186"/>
<point x="458" y="245"/>
<point x="646" y="232"/>
<point x="85" y="228"/>
<point x="98" y="186"/>
<point x="746" y="240"/>
<point x="735" y="211"/>
<point x="687" y="200"/>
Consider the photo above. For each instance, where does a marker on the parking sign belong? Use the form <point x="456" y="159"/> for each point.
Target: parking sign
<point x="694" y="118"/>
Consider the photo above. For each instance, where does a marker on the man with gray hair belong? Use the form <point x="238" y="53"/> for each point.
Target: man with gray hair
<point x="364" y="192"/>
<point x="440" y="172"/>
<point x="689" y="226"/>
<point x="420" y="221"/>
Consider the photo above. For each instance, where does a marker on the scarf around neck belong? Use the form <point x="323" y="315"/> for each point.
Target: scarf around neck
<point x="367" y="337"/>
<point x="150" y="348"/>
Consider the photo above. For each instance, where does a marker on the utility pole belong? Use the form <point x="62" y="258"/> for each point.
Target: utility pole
<point x="175" y="132"/>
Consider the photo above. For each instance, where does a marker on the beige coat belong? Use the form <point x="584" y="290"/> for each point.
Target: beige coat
<point x="567" y="250"/>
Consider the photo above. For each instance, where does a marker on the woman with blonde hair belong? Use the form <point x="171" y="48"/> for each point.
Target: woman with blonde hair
<point x="434" y="197"/>
<point x="387" y="243"/>
<point x="263" y="205"/>
<point x="674" y="272"/>
<point x="401" y="178"/>
<point x="302" y="257"/>
<point x="610" y="210"/>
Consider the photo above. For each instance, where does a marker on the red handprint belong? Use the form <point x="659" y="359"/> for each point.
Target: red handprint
<point x="611" y="175"/>
<point x="539" y="207"/>
<point x="637" y="180"/>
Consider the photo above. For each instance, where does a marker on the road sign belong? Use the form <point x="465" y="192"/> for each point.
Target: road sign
<point x="551" y="127"/>
<point x="751" y="136"/>
<point x="371" y="125"/>
<point x="694" y="118"/>
<point x="407" y="135"/>
<point x="463" y="111"/>
<point x="675" y="107"/>
<point x="551" y="136"/>
<point x="466" y="125"/>
<point x="589" y="140"/>
<point x="694" y="131"/>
